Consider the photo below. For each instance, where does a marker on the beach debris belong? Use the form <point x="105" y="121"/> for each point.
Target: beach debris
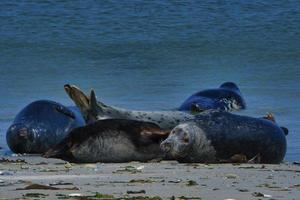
<point x="6" y="160"/>
<point x="142" y="198"/>
<point x="42" y="163"/>
<point x="75" y="195"/>
<point x="207" y="166"/>
<point x="141" y="181"/>
<point x="184" y="198"/>
<point x="140" y="167"/>
<point x="246" y="167"/>
<point x="5" y="173"/>
<point x="50" y="170"/>
<point x="231" y="176"/>
<point x="92" y="166"/>
<point x="296" y="162"/>
<point x="130" y="169"/>
<point x="104" y="196"/>
<point x="243" y="190"/>
<point x="136" y="192"/>
<point x="24" y="167"/>
<point x="61" y="196"/>
<point x="44" y="187"/>
<point x="295" y="186"/>
<point x="68" y="165"/>
<point x="191" y="183"/>
<point x="175" y="181"/>
<point x="36" y="195"/>
<point x="267" y="185"/>
<point x="60" y="183"/>
<point x="259" y="194"/>
<point x="255" y="160"/>
<point x="236" y="159"/>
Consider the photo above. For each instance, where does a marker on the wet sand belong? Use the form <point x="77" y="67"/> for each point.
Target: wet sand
<point x="33" y="177"/>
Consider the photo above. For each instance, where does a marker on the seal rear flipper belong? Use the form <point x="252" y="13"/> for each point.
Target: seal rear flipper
<point x="80" y="99"/>
<point x="285" y="130"/>
<point x="95" y="105"/>
<point x="90" y="108"/>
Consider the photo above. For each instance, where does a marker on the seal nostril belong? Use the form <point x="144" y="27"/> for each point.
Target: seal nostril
<point x="166" y="146"/>
<point x="23" y="132"/>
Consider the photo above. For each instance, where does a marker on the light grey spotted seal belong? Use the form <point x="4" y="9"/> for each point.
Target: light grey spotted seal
<point x="93" y="110"/>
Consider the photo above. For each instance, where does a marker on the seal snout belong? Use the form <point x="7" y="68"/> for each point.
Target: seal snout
<point x="19" y="131"/>
<point x="17" y="135"/>
<point x="166" y="146"/>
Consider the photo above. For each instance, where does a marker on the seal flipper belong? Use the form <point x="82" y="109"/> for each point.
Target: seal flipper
<point x="285" y="130"/>
<point x="80" y="99"/>
<point x="90" y="108"/>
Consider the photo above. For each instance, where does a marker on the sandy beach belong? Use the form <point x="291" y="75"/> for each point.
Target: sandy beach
<point x="33" y="177"/>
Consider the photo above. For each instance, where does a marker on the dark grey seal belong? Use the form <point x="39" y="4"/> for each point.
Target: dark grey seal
<point x="41" y="125"/>
<point x="218" y="135"/>
<point x="111" y="140"/>
<point x="227" y="97"/>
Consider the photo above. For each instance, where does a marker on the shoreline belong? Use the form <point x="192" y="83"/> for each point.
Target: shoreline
<point x="27" y="177"/>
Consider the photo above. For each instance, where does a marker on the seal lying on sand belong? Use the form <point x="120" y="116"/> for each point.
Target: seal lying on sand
<point x="93" y="110"/>
<point x="41" y="125"/>
<point x="111" y="140"/>
<point x="218" y="135"/>
<point x="227" y="97"/>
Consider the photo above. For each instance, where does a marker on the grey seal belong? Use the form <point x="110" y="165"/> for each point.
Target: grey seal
<point x="218" y="135"/>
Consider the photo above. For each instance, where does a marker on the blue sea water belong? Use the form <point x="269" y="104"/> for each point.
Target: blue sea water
<point x="152" y="54"/>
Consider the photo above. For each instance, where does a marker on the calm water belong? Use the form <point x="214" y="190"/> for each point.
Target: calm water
<point x="152" y="55"/>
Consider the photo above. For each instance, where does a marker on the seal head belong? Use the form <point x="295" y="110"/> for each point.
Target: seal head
<point x="40" y="125"/>
<point x="187" y="143"/>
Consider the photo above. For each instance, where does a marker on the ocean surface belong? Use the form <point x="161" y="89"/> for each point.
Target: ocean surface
<point x="151" y="55"/>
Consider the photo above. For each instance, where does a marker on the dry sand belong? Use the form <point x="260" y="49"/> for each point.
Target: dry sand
<point x="157" y="180"/>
